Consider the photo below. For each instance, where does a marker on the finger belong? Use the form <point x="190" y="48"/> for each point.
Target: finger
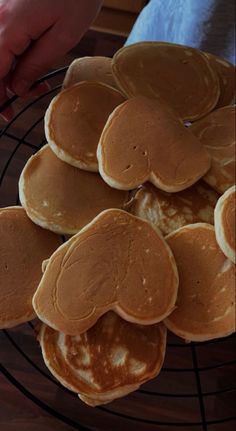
<point x="8" y="113"/>
<point x="5" y="62"/>
<point x="3" y="93"/>
<point x="40" y="56"/>
<point x="38" y="90"/>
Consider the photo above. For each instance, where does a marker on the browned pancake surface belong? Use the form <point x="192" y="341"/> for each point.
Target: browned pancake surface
<point x="76" y="118"/>
<point x="170" y="211"/>
<point x="206" y="296"/>
<point x="118" y="262"/>
<point x="109" y="360"/>
<point x="90" y="69"/>
<point x="62" y="197"/>
<point x="226" y="74"/>
<point x="23" y="247"/>
<point x="178" y="74"/>
<point x="225" y="221"/>
<point x="144" y="140"/>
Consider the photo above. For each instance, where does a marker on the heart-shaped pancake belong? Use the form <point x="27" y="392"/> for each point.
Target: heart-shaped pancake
<point x="144" y="140"/>
<point x="118" y="262"/>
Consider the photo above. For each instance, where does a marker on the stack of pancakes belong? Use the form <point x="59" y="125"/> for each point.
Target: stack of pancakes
<point x="139" y="171"/>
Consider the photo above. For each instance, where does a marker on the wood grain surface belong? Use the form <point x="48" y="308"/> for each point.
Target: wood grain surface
<point x="31" y="399"/>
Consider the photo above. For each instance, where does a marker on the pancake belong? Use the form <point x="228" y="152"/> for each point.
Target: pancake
<point x="90" y="69"/>
<point x="75" y="119"/>
<point x="206" y="297"/>
<point x="225" y="221"/>
<point x="226" y="75"/>
<point x="170" y="211"/>
<point x="178" y="74"/>
<point x="23" y="247"/>
<point x="118" y="262"/>
<point x="217" y="133"/>
<point x="110" y="360"/>
<point x="62" y="198"/>
<point x="157" y="148"/>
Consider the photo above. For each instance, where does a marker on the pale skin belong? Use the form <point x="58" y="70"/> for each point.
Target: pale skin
<point x="33" y="35"/>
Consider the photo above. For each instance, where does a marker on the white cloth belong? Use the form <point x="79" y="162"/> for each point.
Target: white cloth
<point x="205" y="24"/>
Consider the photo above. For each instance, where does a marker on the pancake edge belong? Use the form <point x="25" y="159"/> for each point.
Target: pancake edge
<point x="228" y="251"/>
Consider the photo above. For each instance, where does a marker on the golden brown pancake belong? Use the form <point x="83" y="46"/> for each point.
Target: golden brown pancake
<point x="157" y="147"/>
<point x="225" y="221"/>
<point x="170" y="211"/>
<point x="23" y="247"/>
<point x="118" y="262"/>
<point x="226" y="74"/>
<point x="90" y="69"/>
<point x="110" y="360"/>
<point x="75" y="119"/>
<point x="217" y="133"/>
<point x="206" y="297"/>
<point x="178" y="74"/>
<point x="62" y="198"/>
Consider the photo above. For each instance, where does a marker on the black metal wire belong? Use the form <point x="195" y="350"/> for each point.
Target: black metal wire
<point x="32" y="363"/>
<point x="40" y="403"/>
<point x="46" y="77"/>
<point x="175" y="424"/>
<point x="200" y="394"/>
<point x="187" y="395"/>
<point x="204" y="343"/>
<point x="199" y="387"/>
<point x="151" y="393"/>
<point x="15" y="138"/>
<point x="21" y="140"/>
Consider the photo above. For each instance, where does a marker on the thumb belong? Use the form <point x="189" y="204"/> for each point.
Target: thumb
<point x="39" y="57"/>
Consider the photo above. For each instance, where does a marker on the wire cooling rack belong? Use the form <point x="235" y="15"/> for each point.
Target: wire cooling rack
<point x="196" y="388"/>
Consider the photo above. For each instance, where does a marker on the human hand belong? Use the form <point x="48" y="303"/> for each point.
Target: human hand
<point x="34" y="34"/>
